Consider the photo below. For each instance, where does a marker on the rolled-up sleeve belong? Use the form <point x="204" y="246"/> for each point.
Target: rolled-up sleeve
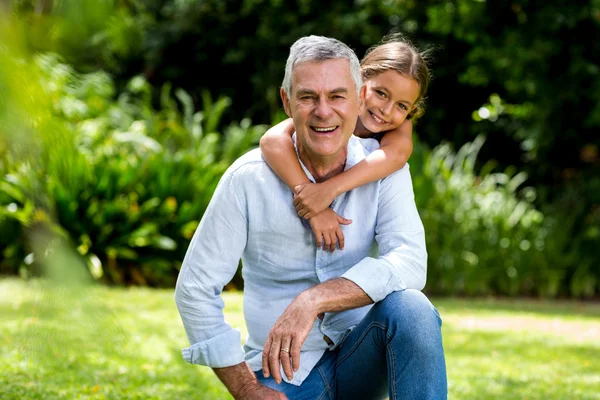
<point x="399" y="232"/>
<point x="210" y="263"/>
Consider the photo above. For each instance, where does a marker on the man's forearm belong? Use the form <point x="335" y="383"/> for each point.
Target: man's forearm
<point x="336" y="295"/>
<point x="239" y="379"/>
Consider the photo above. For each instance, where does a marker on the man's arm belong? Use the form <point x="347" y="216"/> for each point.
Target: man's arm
<point x="209" y="264"/>
<point x="242" y="384"/>
<point x="292" y="327"/>
<point x="399" y="232"/>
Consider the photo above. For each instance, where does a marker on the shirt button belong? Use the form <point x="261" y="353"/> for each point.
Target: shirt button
<point x="323" y="326"/>
<point x="319" y="271"/>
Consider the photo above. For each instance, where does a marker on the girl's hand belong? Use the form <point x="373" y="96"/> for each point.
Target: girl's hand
<point x="312" y="198"/>
<point x="327" y="230"/>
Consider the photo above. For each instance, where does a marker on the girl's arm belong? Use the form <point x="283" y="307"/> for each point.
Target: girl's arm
<point x="278" y="151"/>
<point x="396" y="148"/>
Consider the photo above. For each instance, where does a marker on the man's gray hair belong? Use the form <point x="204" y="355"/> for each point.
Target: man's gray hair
<point x="317" y="49"/>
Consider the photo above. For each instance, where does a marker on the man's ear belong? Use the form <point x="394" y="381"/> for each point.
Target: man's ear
<point x="286" y="102"/>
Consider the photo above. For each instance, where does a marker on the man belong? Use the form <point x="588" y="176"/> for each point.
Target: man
<point x="313" y="331"/>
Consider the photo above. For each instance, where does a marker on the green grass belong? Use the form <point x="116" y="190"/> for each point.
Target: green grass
<point x="109" y="343"/>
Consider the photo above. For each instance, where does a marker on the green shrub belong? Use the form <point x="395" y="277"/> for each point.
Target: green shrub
<point x="125" y="183"/>
<point x="572" y="239"/>
<point x="484" y="236"/>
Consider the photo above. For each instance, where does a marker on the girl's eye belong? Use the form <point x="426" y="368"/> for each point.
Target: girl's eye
<point x="382" y="94"/>
<point x="402" y="106"/>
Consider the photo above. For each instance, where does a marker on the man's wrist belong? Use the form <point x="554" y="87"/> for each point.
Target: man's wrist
<point x="334" y="295"/>
<point x="243" y="391"/>
<point x="239" y="379"/>
<point x="311" y="300"/>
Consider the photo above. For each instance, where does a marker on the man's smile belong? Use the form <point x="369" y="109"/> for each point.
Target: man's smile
<point x="324" y="129"/>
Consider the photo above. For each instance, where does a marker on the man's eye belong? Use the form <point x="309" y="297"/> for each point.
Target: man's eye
<point x="338" y="97"/>
<point x="307" y="97"/>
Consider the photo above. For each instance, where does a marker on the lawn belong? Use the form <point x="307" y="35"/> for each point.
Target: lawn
<point x="111" y="343"/>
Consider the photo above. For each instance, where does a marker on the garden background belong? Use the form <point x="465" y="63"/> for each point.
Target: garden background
<point x="118" y="117"/>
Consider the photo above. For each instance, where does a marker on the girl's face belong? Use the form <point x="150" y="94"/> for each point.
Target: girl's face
<point x="389" y="98"/>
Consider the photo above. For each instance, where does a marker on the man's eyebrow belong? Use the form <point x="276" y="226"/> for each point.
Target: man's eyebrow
<point x="339" y="90"/>
<point x="303" y="92"/>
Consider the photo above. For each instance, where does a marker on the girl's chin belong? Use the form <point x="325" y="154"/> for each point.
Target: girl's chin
<point x="374" y="128"/>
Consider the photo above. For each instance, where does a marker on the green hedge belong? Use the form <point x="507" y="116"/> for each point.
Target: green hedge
<point x="484" y="235"/>
<point x="526" y="72"/>
<point x="123" y="171"/>
<point x="125" y="183"/>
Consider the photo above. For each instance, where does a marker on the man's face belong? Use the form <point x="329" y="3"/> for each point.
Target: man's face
<point x="324" y="106"/>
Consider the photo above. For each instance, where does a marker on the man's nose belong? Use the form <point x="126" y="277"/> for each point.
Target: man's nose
<point x="323" y="109"/>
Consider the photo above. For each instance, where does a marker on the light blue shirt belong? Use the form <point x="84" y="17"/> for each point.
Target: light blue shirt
<point x="251" y="216"/>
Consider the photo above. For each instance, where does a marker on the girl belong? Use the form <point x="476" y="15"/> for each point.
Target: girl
<point x="396" y="77"/>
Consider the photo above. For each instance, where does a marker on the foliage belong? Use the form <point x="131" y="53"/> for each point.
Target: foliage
<point x="540" y="61"/>
<point x="537" y="59"/>
<point x="534" y="72"/>
<point x="125" y="183"/>
<point x="124" y="171"/>
<point x="99" y="342"/>
<point x="572" y="240"/>
<point x="485" y="235"/>
<point x="527" y="75"/>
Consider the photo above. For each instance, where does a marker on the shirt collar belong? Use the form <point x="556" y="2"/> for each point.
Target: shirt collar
<point x="356" y="153"/>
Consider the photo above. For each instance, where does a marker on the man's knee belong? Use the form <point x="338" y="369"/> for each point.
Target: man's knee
<point x="410" y="314"/>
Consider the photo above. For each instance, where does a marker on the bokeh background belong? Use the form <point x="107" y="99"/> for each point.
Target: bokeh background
<point x="118" y="117"/>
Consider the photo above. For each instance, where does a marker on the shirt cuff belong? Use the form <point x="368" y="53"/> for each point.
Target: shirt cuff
<point x="375" y="278"/>
<point x="220" y="351"/>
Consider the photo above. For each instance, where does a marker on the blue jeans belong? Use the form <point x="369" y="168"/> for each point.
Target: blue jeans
<point x="395" y="351"/>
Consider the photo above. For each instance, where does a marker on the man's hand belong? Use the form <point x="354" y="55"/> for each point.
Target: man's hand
<point x="259" y="392"/>
<point x="312" y="198"/>
<point x="287" y="335"/>
<point x="327" y="230"/>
